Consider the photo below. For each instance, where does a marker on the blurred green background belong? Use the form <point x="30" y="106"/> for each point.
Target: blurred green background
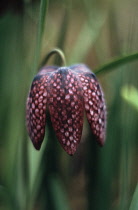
<point x="91" y="32"/>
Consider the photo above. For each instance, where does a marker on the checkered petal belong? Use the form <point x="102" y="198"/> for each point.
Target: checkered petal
<point x="36" y="107"/>
<point x="65" y="101"/>
<point x="94" y="102"/>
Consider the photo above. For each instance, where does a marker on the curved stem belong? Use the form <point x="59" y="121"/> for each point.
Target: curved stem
<point x="116" y="62"/>
<point x="54" y="51"/>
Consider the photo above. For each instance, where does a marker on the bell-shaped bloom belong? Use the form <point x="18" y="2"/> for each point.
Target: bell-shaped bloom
<point x="67" y="91"/>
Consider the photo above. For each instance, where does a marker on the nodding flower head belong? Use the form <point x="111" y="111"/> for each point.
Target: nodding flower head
<point x="67" y="91"/>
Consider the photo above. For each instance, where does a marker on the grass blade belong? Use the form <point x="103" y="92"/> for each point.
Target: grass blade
<point x="116" y="63"/>
<point x="134" y="203"/>
<point x="83" y="44"/>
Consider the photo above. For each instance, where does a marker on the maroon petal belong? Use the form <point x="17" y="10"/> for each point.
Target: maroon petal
<point x="36" y="107"/>
<point x="94" y="102"/>
<point x="47" y="70"/>
<point x="65" y="100"/>
<point x="80" y="68"/>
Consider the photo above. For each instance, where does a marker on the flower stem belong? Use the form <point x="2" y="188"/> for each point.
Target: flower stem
<point x="41" y="26"/>
<point x="52" y="52"/>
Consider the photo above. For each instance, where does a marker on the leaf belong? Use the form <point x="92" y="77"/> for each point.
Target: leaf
<point x="58" y="194"/>
<point x="134" y="202"/>
<point x="116" y="63"/>
<point x="89" y="32"/>
<point x="130" y="94"/>
<point x="35" y="158"/>
<point x="84" y="42"/>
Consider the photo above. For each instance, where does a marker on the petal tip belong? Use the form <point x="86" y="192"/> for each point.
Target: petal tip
<point x="101" y="143"/>
<point x="37" y="146"/>
<point x="70" y="151"/>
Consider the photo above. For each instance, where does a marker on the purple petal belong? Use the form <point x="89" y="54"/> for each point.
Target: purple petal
<point x="36" y="107"/>
<point x="80" y="68"/>
<point x="94" y="103"/>
<point x="46" y="70"/>
<point x="65" y="100"/>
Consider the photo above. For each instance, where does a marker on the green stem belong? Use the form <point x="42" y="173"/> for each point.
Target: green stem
<point x="115" y="63"/>
<point x="41" y="22"/>
<point x="62" y="33"/>
<point x="52" y="52"/>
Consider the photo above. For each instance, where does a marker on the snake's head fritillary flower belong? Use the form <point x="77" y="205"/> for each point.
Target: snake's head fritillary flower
<point x="67" y="91"/>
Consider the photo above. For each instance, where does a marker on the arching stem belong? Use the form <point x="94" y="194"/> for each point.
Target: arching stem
<point x="52" y="52"/>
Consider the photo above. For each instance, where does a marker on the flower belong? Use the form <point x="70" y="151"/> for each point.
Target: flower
<point x="67" y="91"/>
